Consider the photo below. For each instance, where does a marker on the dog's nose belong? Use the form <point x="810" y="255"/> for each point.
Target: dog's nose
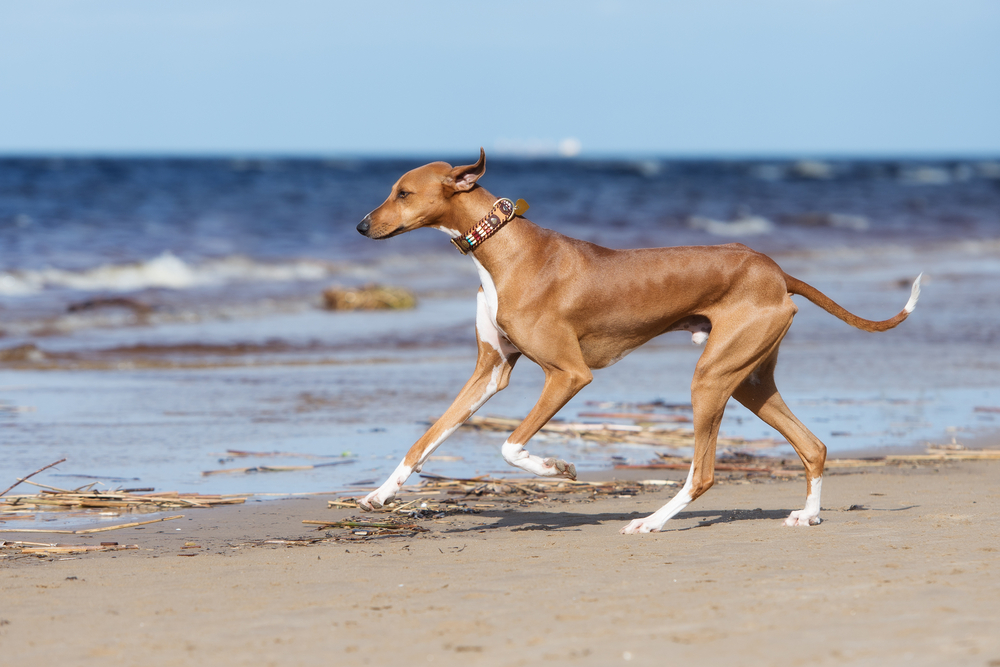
<point x="365" y="225"/>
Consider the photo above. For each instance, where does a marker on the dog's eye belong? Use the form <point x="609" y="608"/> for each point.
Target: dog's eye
<point x="403" y="194"/>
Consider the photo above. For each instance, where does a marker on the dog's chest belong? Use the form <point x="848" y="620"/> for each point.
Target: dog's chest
<point x="489" y="288"/>
<point x="490" y="292"/>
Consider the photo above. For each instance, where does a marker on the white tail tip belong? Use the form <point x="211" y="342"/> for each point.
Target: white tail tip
<point x="914" y="295"/>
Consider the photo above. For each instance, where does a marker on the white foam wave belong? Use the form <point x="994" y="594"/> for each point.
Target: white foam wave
<point x="164" y="271"/>
<point x="747" y="225"/>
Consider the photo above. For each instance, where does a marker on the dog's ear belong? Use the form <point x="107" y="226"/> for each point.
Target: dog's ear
<point x="462" y="179"/>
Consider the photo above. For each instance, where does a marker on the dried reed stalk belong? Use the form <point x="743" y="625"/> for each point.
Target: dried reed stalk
<point x="23" y="479"/>
<point x="118" y="500"/>
<point x="87" y="531"/>
<point x="77" y="548"/>
<point x="362" y="524"/>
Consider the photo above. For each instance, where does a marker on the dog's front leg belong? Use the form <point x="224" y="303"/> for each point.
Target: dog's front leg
<point x="493" y="367"/>
<point x="560" y="386"/>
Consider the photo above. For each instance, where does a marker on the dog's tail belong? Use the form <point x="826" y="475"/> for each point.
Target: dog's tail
<point x="796" y="286"/>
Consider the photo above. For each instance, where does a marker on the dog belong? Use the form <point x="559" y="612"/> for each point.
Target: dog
<point x="572" y="306"/>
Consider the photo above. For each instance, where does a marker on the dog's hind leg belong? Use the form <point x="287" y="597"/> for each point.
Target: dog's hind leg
<point x="760" y="395"/>
<point x="709" y="406"/>
<point x="731" y="357"/>
<point x="493" y="366"/>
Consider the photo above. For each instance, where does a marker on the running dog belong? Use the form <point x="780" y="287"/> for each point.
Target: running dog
<point x="572" y="306"/>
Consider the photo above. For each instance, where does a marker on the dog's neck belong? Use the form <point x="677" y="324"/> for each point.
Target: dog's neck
<point x="468" y="210"/>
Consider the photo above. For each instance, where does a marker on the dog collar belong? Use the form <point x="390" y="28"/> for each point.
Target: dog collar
<point x="503" y="211"/>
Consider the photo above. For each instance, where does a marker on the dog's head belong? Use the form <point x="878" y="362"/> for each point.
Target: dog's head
<point x="421" y="198"/>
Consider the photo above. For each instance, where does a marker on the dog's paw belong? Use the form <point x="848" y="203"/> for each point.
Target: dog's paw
<point x="561" y="468"/>
<point x="387" y="492"/>
<point x="366" y="503"/>
<point x="801" y="518"/>
<point x="375" y="500"/>
<point x="640" y="526"/>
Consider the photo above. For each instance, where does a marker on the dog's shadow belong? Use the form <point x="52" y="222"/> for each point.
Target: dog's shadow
<point x="516" y="521"/>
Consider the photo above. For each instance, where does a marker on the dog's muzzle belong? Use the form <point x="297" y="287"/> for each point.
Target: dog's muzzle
<point x="365" y="225"/>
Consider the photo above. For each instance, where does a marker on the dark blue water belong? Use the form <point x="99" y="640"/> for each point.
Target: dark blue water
<point x="79" y="213"/>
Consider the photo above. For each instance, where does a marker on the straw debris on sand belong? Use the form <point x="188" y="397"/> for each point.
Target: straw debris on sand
<point x="436" y="500"/>
<point x="484" y="485"/>
<point x="86" y="498"/>
<point x="899" y="567"/>
<point x="735" y="454"/>
<point x="47" y="549"/>
<point x="124" y="500"/>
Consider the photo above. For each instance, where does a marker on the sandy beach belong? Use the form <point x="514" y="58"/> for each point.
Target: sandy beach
<point x="901" y="571"/>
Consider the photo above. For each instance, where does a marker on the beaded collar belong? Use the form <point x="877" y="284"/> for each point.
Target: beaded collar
<point x="503" y="211"/>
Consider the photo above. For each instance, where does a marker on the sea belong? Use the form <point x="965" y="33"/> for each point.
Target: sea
<point x="159" y="317"/>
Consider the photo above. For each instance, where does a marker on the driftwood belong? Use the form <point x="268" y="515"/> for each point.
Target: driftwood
<point x="87" y="531"/>
<point x="75" y="548"/>
<point x="776" y="466"/>
<point x="391" y="525"/>
<point x="637" y="417"/>
<point x="723" y="467"/>
<point x="363" y="524"/>
<point x="239" y="453"/>
<point x="256" y="469"/>
<point x="634" y="434"/>
<point x="947" y="455"/>
<point x="138" y="307"/>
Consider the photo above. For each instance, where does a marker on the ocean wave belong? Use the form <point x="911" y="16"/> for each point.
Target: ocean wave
<point x="164" y="271"/>
<point x="746" y="225"/>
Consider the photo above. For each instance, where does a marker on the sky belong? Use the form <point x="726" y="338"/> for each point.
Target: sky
<point x="739" y="78"/>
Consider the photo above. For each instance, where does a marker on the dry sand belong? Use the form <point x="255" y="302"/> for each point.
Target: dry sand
<point x="903" y="570"/>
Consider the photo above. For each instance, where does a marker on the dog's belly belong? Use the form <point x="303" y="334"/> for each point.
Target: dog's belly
<point x="602" y="351"/>
<point x="602" y="358"/>
<point x="605" y="349"/>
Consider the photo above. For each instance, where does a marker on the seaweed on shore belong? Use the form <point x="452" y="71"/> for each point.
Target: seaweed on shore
<point x="369" y="297"/>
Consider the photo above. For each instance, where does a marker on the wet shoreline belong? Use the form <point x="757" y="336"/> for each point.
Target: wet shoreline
<point x="135" y="357"/>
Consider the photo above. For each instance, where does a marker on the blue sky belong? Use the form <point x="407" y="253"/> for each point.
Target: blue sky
<point x="432" y="77"/>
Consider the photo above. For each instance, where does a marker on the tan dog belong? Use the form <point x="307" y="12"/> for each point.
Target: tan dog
<point x="572" y="306"/>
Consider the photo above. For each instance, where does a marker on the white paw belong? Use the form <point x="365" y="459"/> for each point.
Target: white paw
<point x="640" y="526"/>
<point x="801" y="518"/>
<point x="385" y="493"/>
<point x="561" y="468"/>
<point x="379" y="497"/>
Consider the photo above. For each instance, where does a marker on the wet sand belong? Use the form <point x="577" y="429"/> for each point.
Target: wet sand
<point x="901" y="571"/>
